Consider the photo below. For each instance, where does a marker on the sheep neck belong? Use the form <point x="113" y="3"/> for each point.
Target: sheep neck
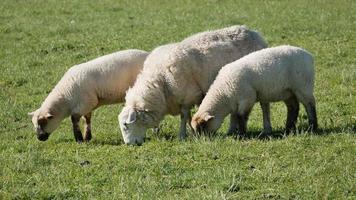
<point x="148" y="95"/>
<point x="57" y="104"/>
<point x="218" y="106"/>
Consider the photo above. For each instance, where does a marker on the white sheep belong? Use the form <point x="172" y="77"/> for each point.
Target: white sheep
<point x="177" y="76"/>
<point x="85" y="87"/>
<point x="283" y="73"/>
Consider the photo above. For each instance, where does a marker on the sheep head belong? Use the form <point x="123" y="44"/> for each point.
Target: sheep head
<point x="44" y="122"/>
<point x="203" y="123"/>
<point x="134" y="124"/>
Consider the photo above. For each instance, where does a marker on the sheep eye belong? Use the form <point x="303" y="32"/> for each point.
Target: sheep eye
<point x="125" y="126"/>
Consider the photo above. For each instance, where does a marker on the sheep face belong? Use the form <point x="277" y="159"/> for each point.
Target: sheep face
<point x="134" y="124"/>
<point x="44" y="123"/>
<point x="205" y="123"/>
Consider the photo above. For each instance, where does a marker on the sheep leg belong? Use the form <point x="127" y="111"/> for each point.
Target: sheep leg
<point x="309" y="105"/>
<point x="242" y="124"/>
<point x="313" y="120"/>
<point x="87" y="127"/>
<point x="242" y="118"/>
<point x="292" y="115"/>
<point x="233" y="124"/>
<point x="76" y="129"/>
<point x="184" y="118"/>
<point x="311" y="112"/>
<point x="244" y="108"/>
<point x="267" y="128"/>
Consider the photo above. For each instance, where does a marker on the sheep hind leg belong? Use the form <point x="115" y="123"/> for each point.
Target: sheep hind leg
<point x="309" y="105"/>
<point x="292" y="113"/>
<point x="311" y="111"/>
<point x="267" y="128"/>
<point x="76" y="129"/>
<point x="87" y="127"/>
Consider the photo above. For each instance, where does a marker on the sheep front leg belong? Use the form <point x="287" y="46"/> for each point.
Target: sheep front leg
<point x="267" y="128"/>
<point x="242" y="124"/>
<point x="233" y="124"/>
<point x="243" y="113"/>
<point x="76" y="129"/>
<point x="87" y="127"/>
<point x="184" y="118"/>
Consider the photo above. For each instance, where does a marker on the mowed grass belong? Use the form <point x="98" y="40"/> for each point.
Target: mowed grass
<point x="40" y="40"/>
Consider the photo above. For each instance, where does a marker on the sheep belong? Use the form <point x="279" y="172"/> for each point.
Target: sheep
<point x="283" y="73"/>
<point x="85" y="87"/>
<point x="176" y="77"/>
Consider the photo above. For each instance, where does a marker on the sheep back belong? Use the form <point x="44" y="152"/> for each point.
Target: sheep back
<point x="271" y="74"/>
<point x="103" y="80"/>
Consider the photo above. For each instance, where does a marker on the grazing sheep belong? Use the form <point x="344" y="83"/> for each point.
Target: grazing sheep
<point x="85" y="87"/>
<point x="176" y="77"/>
<point x="283" y="73"/>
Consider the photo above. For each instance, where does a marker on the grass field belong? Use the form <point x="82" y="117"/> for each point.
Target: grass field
<point x="40" y="40"/>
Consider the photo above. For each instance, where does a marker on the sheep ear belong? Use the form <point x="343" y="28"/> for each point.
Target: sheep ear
<point x="42" y="120"/>
<point x="48" y="116"/>
<point x="132" y="117"/>
<point x="208" y="117"/>
<point x="31" y="114"/>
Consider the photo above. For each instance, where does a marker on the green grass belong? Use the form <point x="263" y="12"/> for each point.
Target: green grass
<point x="40" y="40"/>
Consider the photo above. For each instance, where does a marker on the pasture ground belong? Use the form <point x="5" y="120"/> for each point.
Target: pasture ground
<point x="40" y="40"/>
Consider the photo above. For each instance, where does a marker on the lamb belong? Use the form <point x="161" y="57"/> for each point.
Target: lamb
<point x="85" y="87"/>
<point x="283" y="73"/>
<point x="176" y="77"/>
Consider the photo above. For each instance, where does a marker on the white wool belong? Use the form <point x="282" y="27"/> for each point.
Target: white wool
<point x="180" y="74"/>
<point x="268" y="75"/>
<point x="89" y="85"/>
<point x="177" y="76"/>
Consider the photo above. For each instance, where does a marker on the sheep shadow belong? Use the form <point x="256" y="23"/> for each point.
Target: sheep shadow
<point x="348" y="128"/>
<point x="250" y="135"/>
<point x="281" y="134"/>
<point x="96" y="141"/>
<point x="115" y="142"/>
